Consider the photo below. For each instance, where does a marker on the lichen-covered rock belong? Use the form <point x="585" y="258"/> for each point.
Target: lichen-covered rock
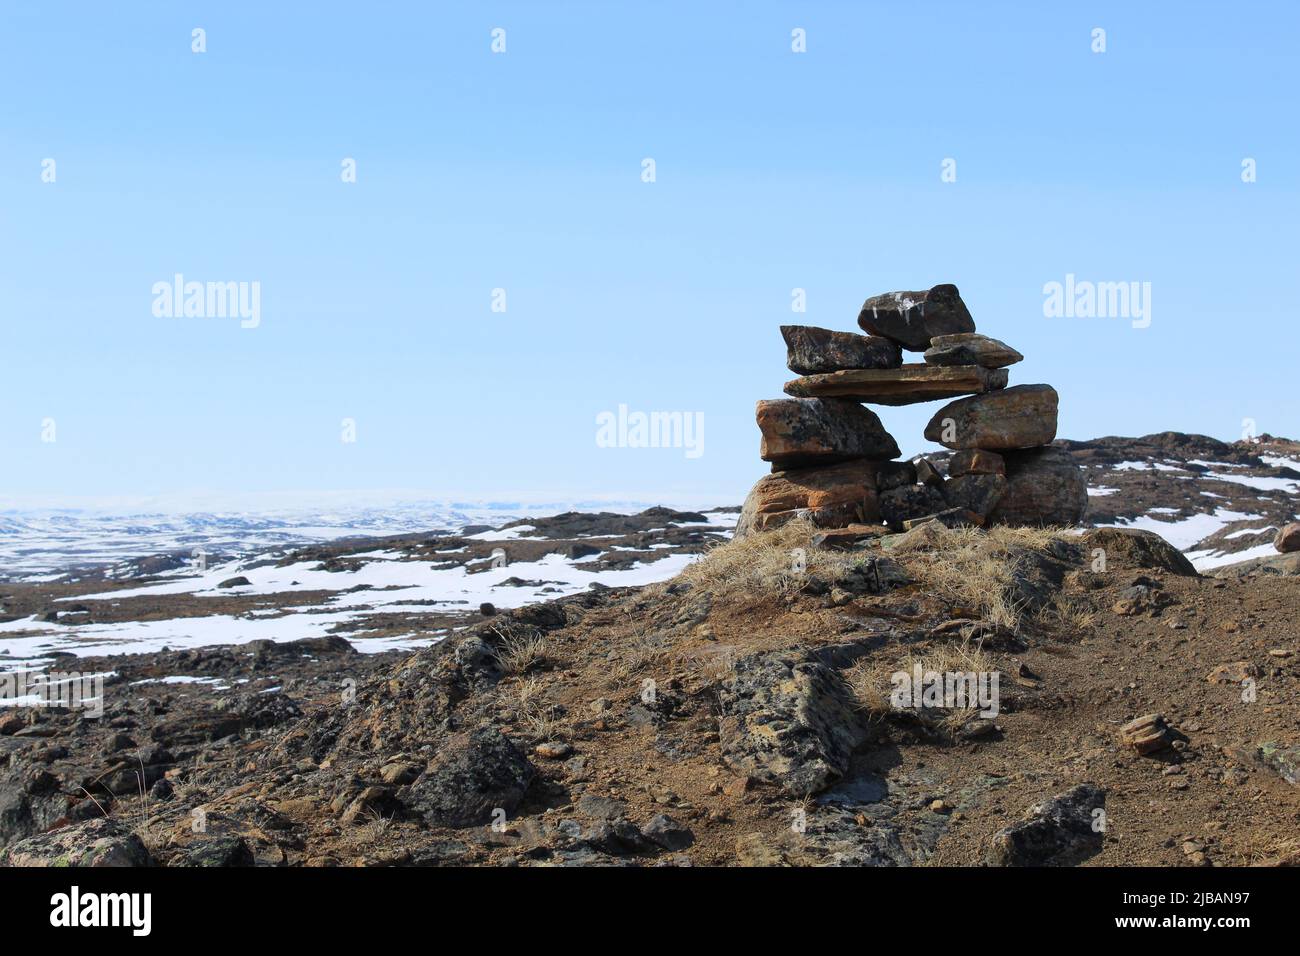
<point x="1062" y="831"/>
<point x="910" y="501"/>
<point x="99" y="842"/>
<point x="471" y="776"/>
<point x="1044" y="487"/>
<point x="1023" y="416"/>
<point x="977" y="493"/>
<point x="788" y="721"/>
<point x="804" y="432"/>
<point x="832" y="836"/>
<point x="811" y="350"/>
<point x="1283" y="759"/>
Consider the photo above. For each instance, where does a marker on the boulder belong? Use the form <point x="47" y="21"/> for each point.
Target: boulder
<point x="1285" y="760"/>
<point x="1062" y="831"/>
<point x="905" y="385"/>
<point x="811" y="350"/>
<point x="1044" y="487"/>
<point x="98" y="842"/>
<point x="912" y="319"/>
<point x="970" y="348"/>
<point x="976" y="461"/>
<point x="220" y="851"/>
<point x="802" y="432"/>
<point x="910" y="501"/>
<point x="789" y="721"/>
<point x="1130" y="549"/>
<point x="471" y="776"/>
<point x="977" y="493"/>
<point x="831" y="497"/>
<point x="1288" y="538"/>
<point x="1023" y="416"/>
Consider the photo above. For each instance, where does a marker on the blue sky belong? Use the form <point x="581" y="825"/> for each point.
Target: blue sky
<point x="523" y="171"/>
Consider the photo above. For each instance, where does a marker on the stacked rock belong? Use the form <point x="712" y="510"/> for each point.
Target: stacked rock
<point x="833" y="461"/>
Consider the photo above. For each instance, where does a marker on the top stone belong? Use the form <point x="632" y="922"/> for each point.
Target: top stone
<point x="912" y="319"/>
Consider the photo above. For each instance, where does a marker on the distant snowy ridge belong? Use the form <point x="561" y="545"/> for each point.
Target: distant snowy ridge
<point x="40" y="543"/>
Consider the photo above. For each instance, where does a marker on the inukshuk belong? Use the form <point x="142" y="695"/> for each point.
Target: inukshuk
<point x="833" y="461"/>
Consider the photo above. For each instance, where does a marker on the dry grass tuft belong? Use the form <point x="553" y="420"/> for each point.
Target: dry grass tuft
<point x="1072" y="614"/>
<point x="868" y="683"/>
<point x="871" y="685"/>
<point x="544" y="721"/>
<point x="765" y="562"/>
<point x="521" y="647"/>
<point x="973" y="567"/>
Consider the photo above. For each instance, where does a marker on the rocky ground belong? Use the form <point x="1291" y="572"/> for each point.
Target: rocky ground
<point x="735" y="715"/>
<point x="733" y="711"/>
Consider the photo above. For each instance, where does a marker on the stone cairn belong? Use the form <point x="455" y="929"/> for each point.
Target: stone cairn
<point x="833" y="461"/>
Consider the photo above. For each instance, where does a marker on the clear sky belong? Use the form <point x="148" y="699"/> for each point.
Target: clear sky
<point x="523" y="171"/>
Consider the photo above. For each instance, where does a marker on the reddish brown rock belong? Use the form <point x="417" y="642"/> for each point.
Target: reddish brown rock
<point x="976" y="461"/>
<point x="803" y="432"/>
<point x="1020" y="417"/>
<point x="810" y="350"/>
<point x="831" y="497"/>
<point x="1044" y="487"/>
<point x="912" y="319"/>
<point x="1234" y="673"/>
<point x="1288" y="538"/>
<point x="905" y="385"/>
<point x="1147" y="734"/>
<point x="970" y="348"/>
